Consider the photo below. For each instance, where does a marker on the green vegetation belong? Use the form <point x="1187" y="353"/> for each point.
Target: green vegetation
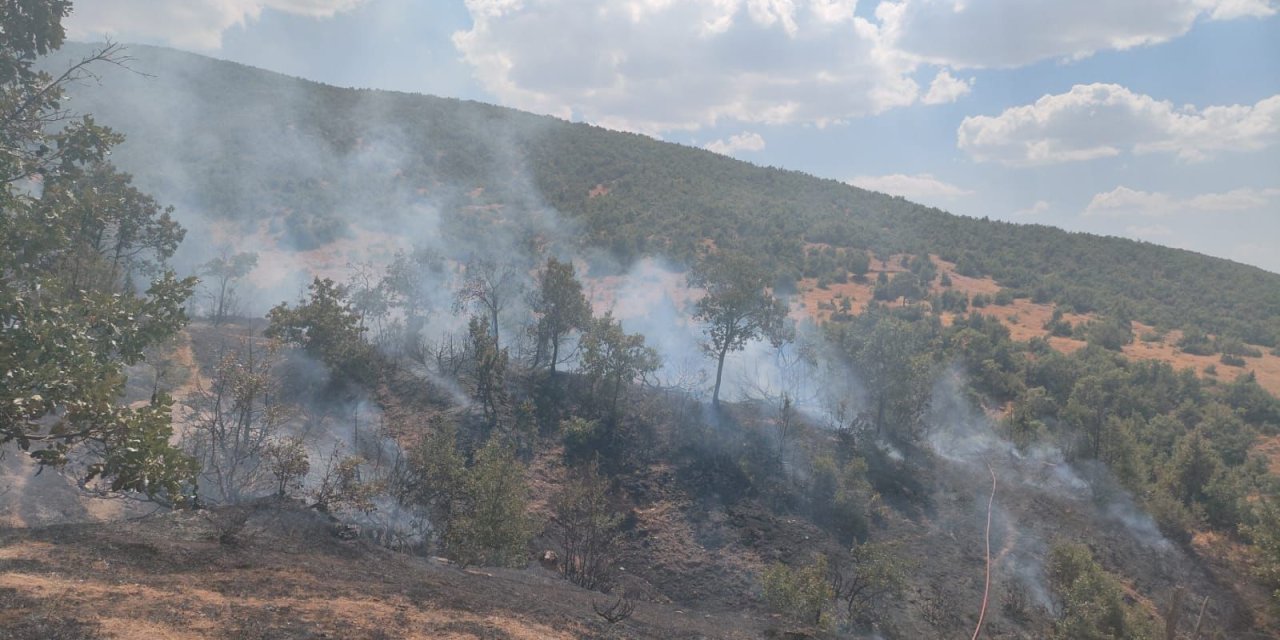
<point x="1093" y="604"/>
<point x="803" y="593"/>
<point x="662" y="198"/>
<point x="75" y="238"/>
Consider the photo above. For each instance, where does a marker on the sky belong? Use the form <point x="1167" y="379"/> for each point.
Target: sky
<point x="1157" y="120"/>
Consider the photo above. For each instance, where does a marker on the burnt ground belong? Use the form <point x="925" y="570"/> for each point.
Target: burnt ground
<point x="286" y="575"/>
<point x="692" y="554"/>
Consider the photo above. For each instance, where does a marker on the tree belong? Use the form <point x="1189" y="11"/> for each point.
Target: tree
<point x="73" y="234"/>
<point x="490" y="373"/>
<point x="737" y="308"/>
<point x="437" y="473"/>
<point x="491" y="286"/>
<point x="326" y="326"/>
<point x="586" y="528"/>
<point x="864" y="578"/>
<point x="221" y="275"/>
<point x="234" y="418"/>
<point x="288" y="463"/>
<point x="1092" y="604"/>
<point x="613" y="358"/>
<point x="560" y="306"/>
<point x="800" y="593"/>
<point x="490" y="525"/>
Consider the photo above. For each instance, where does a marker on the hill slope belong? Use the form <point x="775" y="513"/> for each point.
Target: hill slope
<point x="224" y="141"/>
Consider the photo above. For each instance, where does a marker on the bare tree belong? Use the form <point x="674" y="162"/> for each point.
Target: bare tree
<point x="620" y="610"/>
<point x="221" y="276"/>
<point x="234" y="417"/>
<point x="490" y="286"/>
<point x="586" y="528"/>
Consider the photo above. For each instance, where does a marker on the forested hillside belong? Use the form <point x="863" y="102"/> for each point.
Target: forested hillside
<point x="242" y="143"/>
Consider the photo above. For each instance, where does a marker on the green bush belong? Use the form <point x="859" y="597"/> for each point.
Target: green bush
<point x="801" y="593"/>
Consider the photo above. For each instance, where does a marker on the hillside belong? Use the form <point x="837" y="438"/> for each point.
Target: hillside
<point x="444" y="369"/>
<point x="227" y="142"/>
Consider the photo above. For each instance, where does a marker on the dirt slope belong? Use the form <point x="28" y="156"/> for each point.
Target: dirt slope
<point x="288" y="576"/>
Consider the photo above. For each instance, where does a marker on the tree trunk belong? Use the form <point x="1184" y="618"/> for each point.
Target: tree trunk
<point x="555" y="355"/>
<point x="715" y="395"/>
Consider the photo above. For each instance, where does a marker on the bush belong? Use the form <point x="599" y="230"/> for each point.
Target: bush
<point x="799" y="593"/>
<point x="1092" y="602"/>
<point x="490" y="525"/>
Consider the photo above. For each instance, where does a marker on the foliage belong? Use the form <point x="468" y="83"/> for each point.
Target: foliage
<point x="436" y="479"/>
<point x="866" y="577"/>
<point x="801" y="593"/>
<point x="490" y="286"/>
<point x="892" y="353"/>
<point x="74" y="235"/>
<point x="1092" y="603"/>
<point x="1265" y="535"/>
<point x="327" y="327"/>
<point x="560" y="308"/>
<point x="341" y="487"/>
<point x="288" y="463"/>
<point x="612" y="359"/>
<point x="737" y="307"/>
<point x="489" y="371"/>
<point x="489" y="525"/>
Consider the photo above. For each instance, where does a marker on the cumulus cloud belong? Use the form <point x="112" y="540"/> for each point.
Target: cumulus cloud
<point x="921" y="186"/>
<point x="196" y="24"/>
<point x="1011" y="33"/>
<point x="661" y="65"/>
<point x="1123" y="201"/>
<point x="1101" y="120"/>
<point x="946" y="88"/>
<point x="1038" y="207"/>
<point x="745" y="141"/>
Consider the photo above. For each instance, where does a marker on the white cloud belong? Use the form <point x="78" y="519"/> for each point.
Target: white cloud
<point x="1038" y="207"/>
<point x="1011" y="33"/>
<point x="1123" y="201"/>
<point x="745" y="141"/>
<point x="662" y="65"/>
<point x="945" y="88"/>
<point x="1101" y="120"/>
<point x="922" y="186"/>
<point x="197" y="24"/>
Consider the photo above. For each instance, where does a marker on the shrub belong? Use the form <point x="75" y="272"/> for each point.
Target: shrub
<point x="800" y="593"/>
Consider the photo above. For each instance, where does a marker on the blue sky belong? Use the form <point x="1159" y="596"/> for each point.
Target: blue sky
<point x="1152" y="119"/>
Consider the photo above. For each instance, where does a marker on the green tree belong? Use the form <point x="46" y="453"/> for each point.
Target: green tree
<point x="737" y="308"/>
<point x="613" y="358"/>
<point x="326" y="326"/>
<point x="800" y="593"/>
<point x="70" y="316"/>
<point x="490" y="524"/>
<point x="560" y="306"/>
<point x="490" y="371"/>
<point x="866" y="577"/>
<point x="1092" y="603"/>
